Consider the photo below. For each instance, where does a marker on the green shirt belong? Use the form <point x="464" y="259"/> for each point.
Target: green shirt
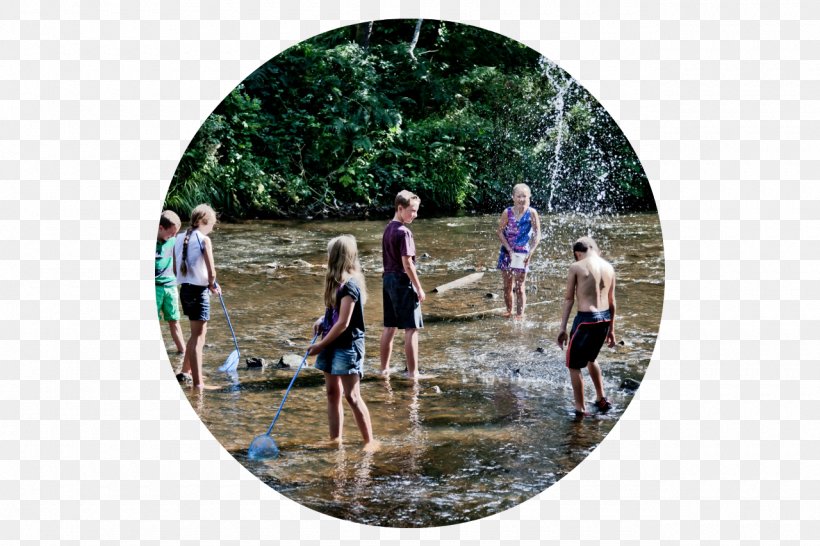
<point x="164" y="263"/>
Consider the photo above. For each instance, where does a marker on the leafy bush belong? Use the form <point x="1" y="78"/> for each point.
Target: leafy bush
<point x="345" y="119"/>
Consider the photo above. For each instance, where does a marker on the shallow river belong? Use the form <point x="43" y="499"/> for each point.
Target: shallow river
<point x="491" y="425"/>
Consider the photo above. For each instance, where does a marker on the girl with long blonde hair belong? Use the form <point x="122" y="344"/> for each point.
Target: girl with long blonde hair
<point x="341" y="350"/>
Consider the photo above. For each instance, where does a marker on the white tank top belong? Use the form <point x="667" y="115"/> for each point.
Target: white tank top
<point x="197" y="272"/>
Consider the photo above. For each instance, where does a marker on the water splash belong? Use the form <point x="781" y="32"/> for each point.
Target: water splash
<point x="561" y="82"/>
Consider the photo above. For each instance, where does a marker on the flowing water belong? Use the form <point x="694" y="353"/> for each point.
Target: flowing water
<point x="490" y="427"/>
<point x="561" y="82"/>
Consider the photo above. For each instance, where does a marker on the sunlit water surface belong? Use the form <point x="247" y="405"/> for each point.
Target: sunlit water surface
<point x="490" y="427"/>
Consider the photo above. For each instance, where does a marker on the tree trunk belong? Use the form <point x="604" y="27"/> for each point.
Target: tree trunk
<point x="415" y="39"/>
<point x="458" y="283"/>
<point x="363" y="33"/>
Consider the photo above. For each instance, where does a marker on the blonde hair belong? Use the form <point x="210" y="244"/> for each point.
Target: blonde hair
<point x="202" y="214"/>
<point x="404" y="198"/>
<point x="521" y="186"/>
<point x="169" y="218"/>
<point x="342" y="264"/>
<point x="585" y="244"/>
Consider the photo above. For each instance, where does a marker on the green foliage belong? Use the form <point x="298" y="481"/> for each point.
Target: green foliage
<point x="340" y="120"/>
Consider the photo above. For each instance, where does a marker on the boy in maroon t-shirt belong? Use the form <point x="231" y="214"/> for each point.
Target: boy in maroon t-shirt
<point x="401" y="290"/>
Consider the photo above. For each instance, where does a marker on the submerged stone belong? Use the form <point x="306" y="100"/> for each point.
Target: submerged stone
<point x="255" y="362"/>
<point x="630" y="384"/>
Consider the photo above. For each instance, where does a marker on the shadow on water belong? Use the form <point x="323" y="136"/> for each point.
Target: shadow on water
<point x="490" y="427"/>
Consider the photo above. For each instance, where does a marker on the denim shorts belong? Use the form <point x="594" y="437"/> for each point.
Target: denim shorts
<point x="341" y="360"/>
<point x="196" y="302"/>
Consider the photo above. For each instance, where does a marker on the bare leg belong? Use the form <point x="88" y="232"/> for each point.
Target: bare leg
<point x="186" y="363"/>
<point x="411" y="351"/>
<point x="193" y="352"/>
<point x="597" y="380"/>
<point x="386" y="348"/>
<point x="360" y="411"/>
<point x="186" y="360"/>
<point x="577" y="388"/>
<point x="507" y="276"/>
<point x="335" y="413"/>
<point x="176" y="335"/>
<point x="520" y="293"/>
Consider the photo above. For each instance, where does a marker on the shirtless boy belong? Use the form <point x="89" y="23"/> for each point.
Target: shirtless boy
<point x="591" y="280"/>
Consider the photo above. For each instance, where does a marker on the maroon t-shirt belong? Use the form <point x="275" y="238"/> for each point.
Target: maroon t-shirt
<point x="397" y="241"/>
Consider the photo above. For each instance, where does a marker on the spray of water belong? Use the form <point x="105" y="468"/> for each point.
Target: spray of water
<point x="561" y="82"/>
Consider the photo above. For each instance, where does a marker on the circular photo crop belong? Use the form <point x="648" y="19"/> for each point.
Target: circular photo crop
<point x="409" y="273"/>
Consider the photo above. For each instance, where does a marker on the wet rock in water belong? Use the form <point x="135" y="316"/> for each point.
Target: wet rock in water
<point x="630" y="384"/>
<point x="490" y="296"/>
<point x="255" y="362"/>
<point x="540" y="350"/>
<point x="301" y="263"/>
<point x="435" y="390"/>
<point x="425" y="256"/>
<point x="289" y="360"/>
<point x="272" y="265"/>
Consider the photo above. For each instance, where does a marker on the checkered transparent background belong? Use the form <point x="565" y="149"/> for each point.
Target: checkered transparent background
<point x="98" y="100"/>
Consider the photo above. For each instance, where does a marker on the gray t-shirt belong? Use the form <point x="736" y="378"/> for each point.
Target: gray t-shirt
<point x="354" y="334"/>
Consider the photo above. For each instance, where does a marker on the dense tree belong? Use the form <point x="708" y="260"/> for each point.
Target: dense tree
<point x="339" y="123"/>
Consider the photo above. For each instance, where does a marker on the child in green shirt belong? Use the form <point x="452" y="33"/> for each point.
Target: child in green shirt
<point x="164" y="278"/>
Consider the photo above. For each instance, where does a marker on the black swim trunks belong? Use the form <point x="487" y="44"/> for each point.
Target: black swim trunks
<point x="401" y="305"/>
<point x="589" y="331"/>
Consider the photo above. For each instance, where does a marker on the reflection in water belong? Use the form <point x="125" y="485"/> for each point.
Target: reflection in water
<point x="388" y="388"/>
<point x="417" y="442"/>
<point x="361" y="482"/>
<point x="351" y="479"/>
<point x="490" y="427"/>
<point x="340" y="478"/>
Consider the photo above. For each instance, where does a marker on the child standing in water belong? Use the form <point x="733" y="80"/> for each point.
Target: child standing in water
<point x="591" y="281"/>
<point x="196" y="275"/>
<point x="402" y="294"/>
<point x="164" y="279"/>
<point x="520" y="232"/>
<point x="341" y="350"/>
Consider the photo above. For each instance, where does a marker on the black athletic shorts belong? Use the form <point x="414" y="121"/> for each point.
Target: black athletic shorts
<point x="400" y="302"/>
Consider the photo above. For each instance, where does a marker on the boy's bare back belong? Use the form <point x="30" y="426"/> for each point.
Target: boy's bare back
<point x="594" y="283"/>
